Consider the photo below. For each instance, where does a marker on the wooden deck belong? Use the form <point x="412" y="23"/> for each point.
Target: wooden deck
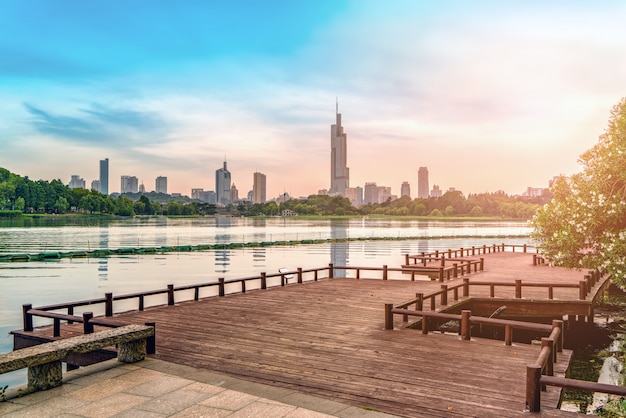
<point x="326" y="338"/>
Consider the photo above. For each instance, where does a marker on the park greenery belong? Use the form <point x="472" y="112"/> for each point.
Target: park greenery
<point x="584" y="225"/>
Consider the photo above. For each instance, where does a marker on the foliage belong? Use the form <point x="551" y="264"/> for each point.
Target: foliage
<point x="613" y="409"/>
<point x="584" y="225"/>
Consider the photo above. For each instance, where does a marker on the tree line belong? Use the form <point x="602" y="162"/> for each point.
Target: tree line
<point x="21" y="195"/>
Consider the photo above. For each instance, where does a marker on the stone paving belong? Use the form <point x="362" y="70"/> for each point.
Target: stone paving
<point x="154" y="388"/>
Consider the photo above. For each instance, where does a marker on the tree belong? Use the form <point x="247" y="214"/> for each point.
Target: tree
<point x="584" y="225"/>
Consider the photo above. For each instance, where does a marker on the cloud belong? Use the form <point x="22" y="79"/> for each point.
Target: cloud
<point x="99" y="123"/>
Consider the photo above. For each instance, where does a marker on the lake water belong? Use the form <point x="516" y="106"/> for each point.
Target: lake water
<point x="70" y="279"/>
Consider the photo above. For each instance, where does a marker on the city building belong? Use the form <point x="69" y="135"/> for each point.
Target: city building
<point x="422" y="183"/>
<point x="355" y="195"/>
<point x="95" y="185"/>
<point x="104" y="176"/>
<point x="370" y="193"/>
<point x="129" y="184"/>
<point x="339" y="171"/>
<point x="161" y="185"/>
<point x="76" y="182"/>
<point x="405" y="189"/>
<point x="384" y="194"/>
<point x="222" y="185"/>
<point x="234" y="194"/>
<point x="533" y="192"/>
<point x="436" y="191"/>
<point x="196" y="193"/>
<point x="142" y="188"/>
<point x="259" y="188"/>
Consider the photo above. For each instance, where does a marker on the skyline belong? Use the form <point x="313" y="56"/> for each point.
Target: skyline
<point x="163" y="89"/>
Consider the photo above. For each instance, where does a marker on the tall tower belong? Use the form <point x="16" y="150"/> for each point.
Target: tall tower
<point x="161" y="185"/>
<point x="259" y="188"/>
<point x="339" y="171"/>
<point x="222" y="185"/>
<point x="104" y="176"/>
<point x="405" y="189"/>
<point x="422" y="183"/>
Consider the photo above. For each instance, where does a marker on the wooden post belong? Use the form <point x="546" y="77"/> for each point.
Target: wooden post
<point x="331" y="271"/>
<point x="456" y="293"/>
<point x="582" y="290"/>
<point x="425" y="324"/>
<point x="315" y="275"/>
<point x="444" y="294"/>
<point x="406" y="259"/>
<point x="220" y="286"/>
<point x="432" y="303"/>
<point x="299" y="275"/>
<point x="548" y="342"/>
<point x="558" y="323"/>
<point x="550" y="292"/>
<point x="443" y="260"/>
<point x="388" y="316"/>
<point x="466" y="329"/>
<point x="524" y="248"/>
<point x="384" y="272"/>
<point x="170" y="294"/>
<point x="70" y="311"/>
<point x="419" y="304"/>
<point x="282" y="280"/>
<point x="441" y="274"/>
<point x="533" y="389"/>
<point x="243" y="286"/>
<point x="196" y="293"/>
<point x="508" y="334"/>
<point x="27" y="318"/>
<point x="413" y="275"/>
<point x="264" y="280"/>
<point x="482" y="263"/>
<point x="492" y="290"/>
<point x="151" y="341"/>
<point x="473" y="250"/>
<point x="518" y="288"/>
<point x="534" y="259"/>
<point x="466" y="286"/>
<point x="108" y="304"/>
<point x="141" y="304"/>
<point x="56" y="328"/>
<point x="87" y="325"/>
<point x="455" y="267"/>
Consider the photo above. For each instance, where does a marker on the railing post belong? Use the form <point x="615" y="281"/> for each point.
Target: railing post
<point x="466" y="281"/>
<point x="388" y="316"/>
<point x="56" y="328"/>
<point x="441" y="274"/>
<point x="534" y="259"/>
<point x="358" y="273"/>
<point x="533" y="388"/>
<point x="524" y="248"/>
<point x="444" y="294"/>
<point x="221" y="286"/>
<point x="455" y="267"/>
<point x="264" y="280"/>
<point x="482" y="263"/>
<point x="27" y="318"/>
<point x="70" y="311"/>
<point x="331" y="271"/>
<point x="151" y="341"/>
<point x="141" y="303"/>
<point x="243" y="286"/>
<point x="406" y="259"/>
<point x="299" y="275"/>
<point x="582" y="290"/>
<point x="170" y="294"/>
<point x="473" y="250"/>
<point x="384" y="272"/>
<point x="419" y="303"/>
<point x="425" y="325"/>
<point x="518" y="288"/>
<point x="548" y="342"/>
<point x="87" y="325"/>
<point x="466" y="329"/>
<point x="508" y="335"/>
<point x="443" y="259"/>
<point x="196" y="293"/>
<point x="108" y="304"/>
<point x="558" y="323"/>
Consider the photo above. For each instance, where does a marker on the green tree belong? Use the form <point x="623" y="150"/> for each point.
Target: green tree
<point x="584" y="225"/>
<point x="20" y="204"/>
<point x="61" y="205"/>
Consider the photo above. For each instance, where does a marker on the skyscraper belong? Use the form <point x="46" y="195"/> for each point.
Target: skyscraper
<point x="104" y="176"/>
<point x="370" y="194"/>
<point x="129" y="184"/>
<point x="76" y="182"/>
<point x="222" y="185"/>
<point x="339" y="171"/>
<point x="161" y="185"/>
<point x="405" y="189"/>
<point x="259" y="188"/>
<point x="422" y="183"/>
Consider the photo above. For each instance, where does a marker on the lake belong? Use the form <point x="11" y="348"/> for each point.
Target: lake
<point x="69" y="279"/>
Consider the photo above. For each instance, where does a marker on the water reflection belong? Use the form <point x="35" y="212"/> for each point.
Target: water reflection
<point x="222" y="261"/>
<point x="339" y="250"/>
<point x="103" y="263"/>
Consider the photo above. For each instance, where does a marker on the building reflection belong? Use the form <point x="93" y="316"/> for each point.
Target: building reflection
<point x="103" y="262"/>
<point x="339" y="250"/>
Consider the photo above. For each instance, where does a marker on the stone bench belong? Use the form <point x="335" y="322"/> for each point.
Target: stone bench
<point x="44" y="360"/>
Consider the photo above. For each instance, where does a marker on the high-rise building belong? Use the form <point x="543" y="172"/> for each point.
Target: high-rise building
<point x="339" y="171"/>
<point x="355" y="194"/>
<point x="234" y="193"/>
<point x="436" y="191"/>
<point x="222" y="185"/>
<point x="104" y="176"/>
<point x="422" y="183"/>
<point x="196" y="193"/>
<point x="76" y="182"/>
<point x="405" y="189"/>
<point x="370" y="193"/>
<point x="129" y="184"/>
<point x="95" y="185"/>
<point x="142" y="188"/>
<point x="259" y="188"/>
<point x="384" y="194"/>
<point x="161" y="185"/>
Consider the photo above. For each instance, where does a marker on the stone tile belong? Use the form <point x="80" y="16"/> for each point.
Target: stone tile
<point x="205" y="388"/>
<point x="48" y="408"/>
<point x="229" y="399"/>
<point x="307" y="413"/>
<point x="111" y="405"/>
<point x="201" y="411"/>
<point x="174" y="402"/>
<point x="137" y="413"/>
<point x="159" y="386"/>
<point x="313" y="403"/>
<point x="354" y="412"/>
<point x="9" y="406"/>
<point x="102" y="389"/>
<point x="140" y="375"/>
<point x="93" y="375"/>
<point x="263" y="409"/>
<point x="32" y="398"/>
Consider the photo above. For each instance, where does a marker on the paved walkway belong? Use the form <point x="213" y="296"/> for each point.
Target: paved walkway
<point x="154" y="388"/>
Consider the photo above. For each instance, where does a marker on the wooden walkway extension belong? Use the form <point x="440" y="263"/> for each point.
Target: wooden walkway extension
<point x="326" y="338"/>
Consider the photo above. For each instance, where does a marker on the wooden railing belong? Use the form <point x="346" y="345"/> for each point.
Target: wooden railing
<point x="470" y="251"/>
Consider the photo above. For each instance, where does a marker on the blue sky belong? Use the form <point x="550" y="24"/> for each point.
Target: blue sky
<point x="489" y="95"/>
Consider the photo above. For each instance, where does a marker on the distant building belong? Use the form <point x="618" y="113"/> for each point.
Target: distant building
<point x="209" y="196"/>
<point x="222" y="185"/>
<point x="288" y="212"/>
<point x="95" y="185"/>
<point x="422" y="183"/>
<point x="234" y="194"/>
<point x="196" y="193"/>
<point x="259" y="188"/>
<point x="384" y="194"/>
<point x="161" y="185"/>
<point x="339" y="171"/>
<point x="129" y="184"/>
<point x="370" y="193"/>
<point x="104" y="176"/>
<point x="355" y="195"/>
<point x="533" y="192"/>
<point x="436" y="191"/>
<point x="142" y="188"/>
<point x="405" y="189"/>
<point x="76" y="182"/>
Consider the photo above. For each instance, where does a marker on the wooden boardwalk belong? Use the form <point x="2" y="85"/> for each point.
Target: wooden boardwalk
<point x="326" y="338"/>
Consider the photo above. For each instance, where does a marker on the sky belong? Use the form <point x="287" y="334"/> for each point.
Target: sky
<point x="489" y="95"/>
